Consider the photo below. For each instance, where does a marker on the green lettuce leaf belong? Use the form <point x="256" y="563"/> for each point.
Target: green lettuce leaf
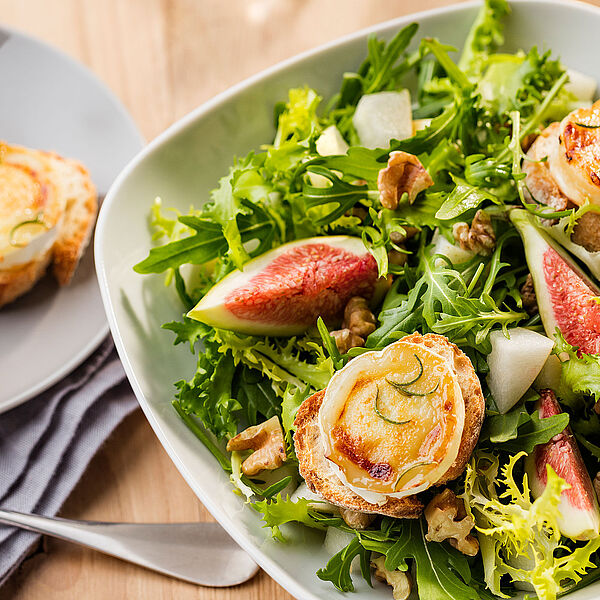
<point x="298" y="120"/>
<point x="279" y="362"/>
<point x="581" y="372"/>
<point x="510" y="524"/>
<point x="279" y="511"/>
<point x="484" y="37"/>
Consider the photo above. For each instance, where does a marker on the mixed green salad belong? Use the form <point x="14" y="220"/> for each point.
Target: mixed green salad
<point x="474" y="112"/>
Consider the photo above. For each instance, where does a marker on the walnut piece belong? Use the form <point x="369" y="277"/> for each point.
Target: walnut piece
<point x="404" y="173"/>
<point x="399" y="580"/>
<point x="266" y="439"/>
<point x="358" y="318"/>
<point x="398" y="238"/>
<point x="447" y="519"/>
<point x="528" y="296"/>
<point x="356" y="519"/>
<point x="587" y="232"/>
<point x="395" y="257"/>
<point x="345" y="339"/>
<point x="478" y="238"/>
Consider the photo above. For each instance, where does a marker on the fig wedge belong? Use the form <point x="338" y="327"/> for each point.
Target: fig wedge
<point x="285" y="290"/>
<point x="566" y="297"/>
<point x="579" y="513"/>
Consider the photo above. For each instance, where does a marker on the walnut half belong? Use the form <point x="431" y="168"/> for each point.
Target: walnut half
<point x="358" y="317"/>
<point x="399" y="580"/>
<point x="479" y="237"/>
<point x="356" y="519"/>
<point x="266" y="439"/>
<point x="447" y="519"/>
<point x="404" y="173"/>
<point x="358" y="323"/>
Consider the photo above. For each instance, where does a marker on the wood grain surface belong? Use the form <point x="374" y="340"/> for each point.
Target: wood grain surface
<point x="163" y="58"/>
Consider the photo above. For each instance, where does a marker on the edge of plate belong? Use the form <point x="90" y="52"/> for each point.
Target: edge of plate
<point x="102" y="332"/>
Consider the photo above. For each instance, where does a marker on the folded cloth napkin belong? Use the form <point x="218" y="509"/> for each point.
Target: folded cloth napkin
<point x="46" y="443"/>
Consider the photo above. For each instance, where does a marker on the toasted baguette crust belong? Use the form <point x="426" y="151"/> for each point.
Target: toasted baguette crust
<point x="17" y="281"/>
<point x="75" y="190"/>
<point x="74" y="182"/>
<point x="321" y="478"/>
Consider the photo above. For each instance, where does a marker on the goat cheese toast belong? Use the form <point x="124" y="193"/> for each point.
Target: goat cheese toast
<point x="48" y="205"/>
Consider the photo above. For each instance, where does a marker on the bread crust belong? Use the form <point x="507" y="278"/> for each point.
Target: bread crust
<point x="78" y="221"/>
<point x="20" y="279"/>
<point x="321" y="478"/>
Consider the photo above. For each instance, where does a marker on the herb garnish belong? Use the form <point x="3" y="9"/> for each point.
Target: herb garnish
<point x="382" y="416"/>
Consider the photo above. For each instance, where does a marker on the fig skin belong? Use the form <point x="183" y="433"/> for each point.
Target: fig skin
<point x="579" y="512"/>
<point x="565" y="295"/>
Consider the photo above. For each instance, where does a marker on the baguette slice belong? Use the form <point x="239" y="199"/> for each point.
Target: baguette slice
<point x="48" y="205"/>
<point x="320" y="476"/>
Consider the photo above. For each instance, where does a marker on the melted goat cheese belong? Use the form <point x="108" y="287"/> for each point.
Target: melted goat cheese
<point x="383" y="441"/>
<point x="574" y="159"/>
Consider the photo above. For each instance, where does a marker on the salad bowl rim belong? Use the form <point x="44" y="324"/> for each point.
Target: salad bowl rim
<point x="280" y="574"/>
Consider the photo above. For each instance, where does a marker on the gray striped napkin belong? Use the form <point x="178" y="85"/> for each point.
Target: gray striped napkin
<point x="46" y="443"/>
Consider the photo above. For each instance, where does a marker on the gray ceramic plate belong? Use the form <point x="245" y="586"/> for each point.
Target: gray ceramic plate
<point x="181" y="166"/>
<point x="50" y="102"/>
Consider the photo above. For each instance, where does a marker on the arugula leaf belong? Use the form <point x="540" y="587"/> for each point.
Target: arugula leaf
<point x="338" y="568"/>
<point x="344" y="195"/>
<point x="205" y="244"/>
<point x="256" y="395"/>
<point x="358" y="162"/>
<point x="536" y="431"/>
<point x="499" y="428"/>
<point x="464" y="197"/>
<point x="330" y="345"/>
<point x="442" y="573"/>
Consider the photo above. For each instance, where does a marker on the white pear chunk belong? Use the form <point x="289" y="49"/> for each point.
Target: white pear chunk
<point x="549" y="376"/>
<point x="331" y="142"/>
<point x="336" y="540"/>
<point x="582" y="86"/>
<point x="302" y="491"/>
<point x="382" y="117"/>
<point x="453" y="252"/>
<point x="515" y="363"/>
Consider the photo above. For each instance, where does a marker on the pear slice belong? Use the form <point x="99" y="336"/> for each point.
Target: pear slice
<point x="514" y="364"/>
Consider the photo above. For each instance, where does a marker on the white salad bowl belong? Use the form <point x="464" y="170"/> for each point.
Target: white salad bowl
<point x="181" y="166"/>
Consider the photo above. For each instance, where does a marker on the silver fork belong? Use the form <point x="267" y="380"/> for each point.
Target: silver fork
<point x="200" y="553"/>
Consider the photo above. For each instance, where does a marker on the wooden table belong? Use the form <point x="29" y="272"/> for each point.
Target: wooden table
<point x="163" y="58"/>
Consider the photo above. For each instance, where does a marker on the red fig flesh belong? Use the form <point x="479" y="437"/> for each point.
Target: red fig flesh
<point x="580" y="515"/>
<point x="285" y="290"/>
<point x="566" y="297"/>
